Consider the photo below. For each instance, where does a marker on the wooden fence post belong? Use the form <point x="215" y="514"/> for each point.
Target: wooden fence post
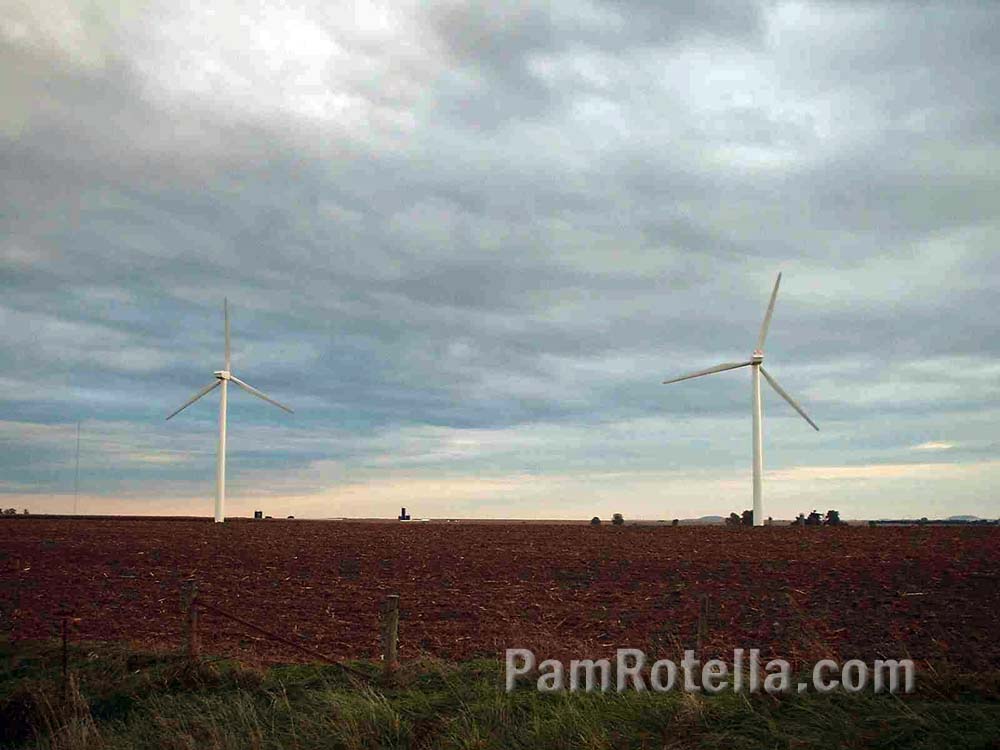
<point x="191" y="609"/>
<point x="703" y="613"/>
<point x="390" y="635"/>
<point x="65" y="657"/>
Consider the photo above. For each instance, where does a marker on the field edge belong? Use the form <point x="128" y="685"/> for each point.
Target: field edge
<point x="117" y="697"/>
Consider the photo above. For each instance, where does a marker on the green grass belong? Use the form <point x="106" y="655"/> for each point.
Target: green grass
<point x="117" y="699"/>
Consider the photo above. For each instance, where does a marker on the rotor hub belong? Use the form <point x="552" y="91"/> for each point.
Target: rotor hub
<point x="223" y="374"/>
<point x="758" y="357"/>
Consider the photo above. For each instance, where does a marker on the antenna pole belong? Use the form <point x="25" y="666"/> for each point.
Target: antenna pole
<point x="76" y="479"/>
<point x="220" y="488"/>
<point x="758" y="449"/>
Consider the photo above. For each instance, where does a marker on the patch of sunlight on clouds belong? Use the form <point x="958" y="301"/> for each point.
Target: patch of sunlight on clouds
<point x="884" y="471"/>
<point x="159" y="458"/>
<point x="932" y="446"/>
<point x="313" y="63"/>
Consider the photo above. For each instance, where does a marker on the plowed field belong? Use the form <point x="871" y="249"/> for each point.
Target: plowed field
<point x="470" y="589"/>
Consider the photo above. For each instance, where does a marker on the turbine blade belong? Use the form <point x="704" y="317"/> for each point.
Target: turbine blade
<point x="250" y="389"/>
<point x="214" y="384"/>
<point x="225" y="308"/>
<point x="710" y="370"/>
<point x="789" y="399"/>
<point x="767" y="316"/>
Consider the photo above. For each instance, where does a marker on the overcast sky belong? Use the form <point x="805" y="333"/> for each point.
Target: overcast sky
<point x="467" y="241"/>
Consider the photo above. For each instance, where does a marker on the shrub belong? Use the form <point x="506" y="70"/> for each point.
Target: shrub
<point x="617" y="519"/>
<point x="675" y="522"/>
<point x="595" y="521"/>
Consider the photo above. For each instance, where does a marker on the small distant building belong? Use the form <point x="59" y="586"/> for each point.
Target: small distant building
<point x="258" y="515"/>
<point x="403" y="515"/>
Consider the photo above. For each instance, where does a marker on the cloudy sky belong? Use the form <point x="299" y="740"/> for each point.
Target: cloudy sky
<point x="467" y="241"/>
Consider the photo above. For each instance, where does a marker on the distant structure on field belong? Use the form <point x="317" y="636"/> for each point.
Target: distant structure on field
<point x="950" y="521"/>
<point x="403" y="515"/>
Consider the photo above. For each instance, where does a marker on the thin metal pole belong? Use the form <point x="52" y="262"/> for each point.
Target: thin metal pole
<point x="76" y="480"/>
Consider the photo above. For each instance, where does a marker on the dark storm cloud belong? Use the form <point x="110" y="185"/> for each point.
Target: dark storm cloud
<point x="521" y="216"/>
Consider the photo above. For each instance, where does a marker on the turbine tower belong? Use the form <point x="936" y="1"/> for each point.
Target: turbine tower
<point x="756" y="365"/>
<point x="223" y="378"/>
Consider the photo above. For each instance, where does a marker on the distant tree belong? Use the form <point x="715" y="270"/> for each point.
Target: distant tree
<point x="800" y="520"/>
<point x="747" y="518"/>
<point x="617" y="519"/>
<point x="872" y="524"/>
<point x="733" y="520"/>
<point x="832" y="518"/>
<point x="595" y="521"/>
<point x="922" y="521"/>
<point x="10" y="512"/>
<point x="814" y="519"/>
<point x="675" y="522"/>
<point x="25" y="512"/>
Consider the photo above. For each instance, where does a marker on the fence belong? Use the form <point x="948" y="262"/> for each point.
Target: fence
<point x="193" y="604"/>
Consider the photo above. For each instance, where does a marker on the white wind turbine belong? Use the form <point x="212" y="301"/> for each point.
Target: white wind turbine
<point x="222" y="378"/>
<point x="755" y="363"/>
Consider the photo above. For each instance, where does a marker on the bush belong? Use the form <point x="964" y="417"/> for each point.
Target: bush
<point x="595" y="521"/>
<point x="675" y="522"/>
<point x="617" y="519"/>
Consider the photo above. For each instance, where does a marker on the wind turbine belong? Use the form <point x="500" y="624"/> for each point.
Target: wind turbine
<point x="223" y="378"/>
<point x="755" y="363"/>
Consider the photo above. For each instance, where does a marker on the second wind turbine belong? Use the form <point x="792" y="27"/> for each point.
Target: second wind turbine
<point x="222" y="379"/>
<point x="756" y="365"/>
